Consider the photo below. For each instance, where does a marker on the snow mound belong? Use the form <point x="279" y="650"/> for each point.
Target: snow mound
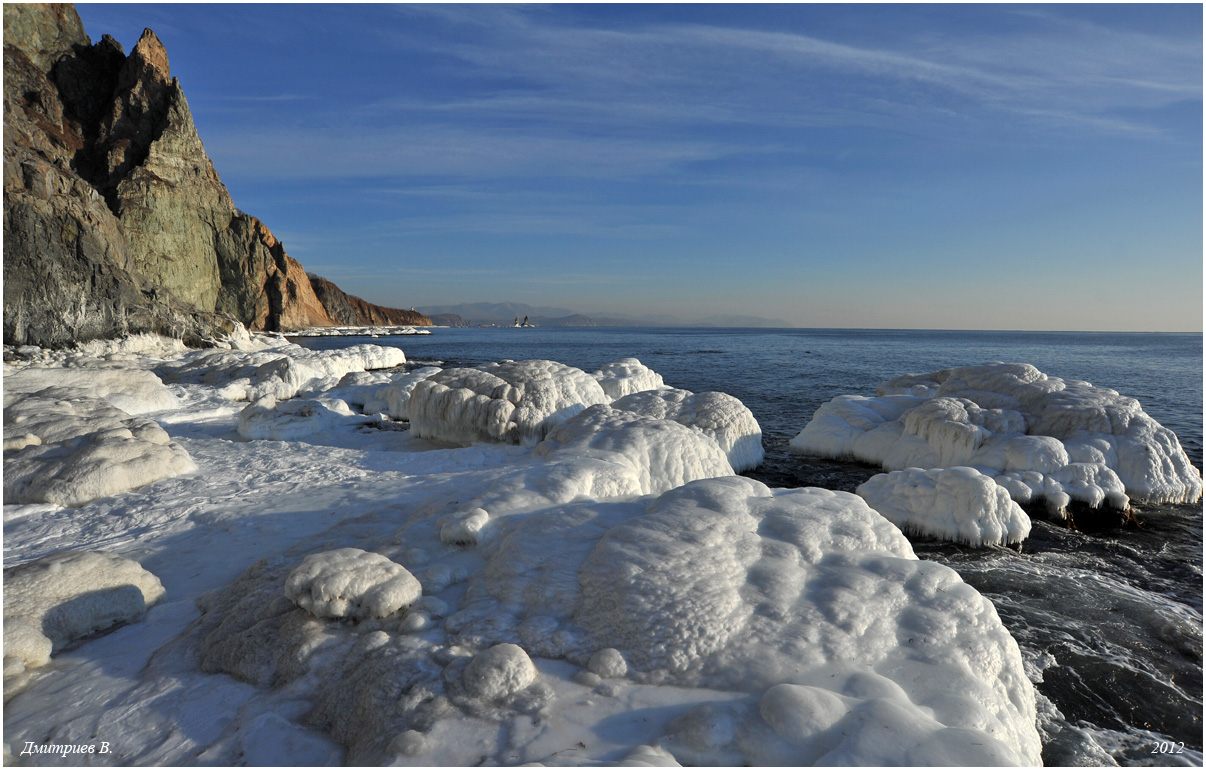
<point x="56" y="600"/>
<point x="281" y="372"/>
<point x="651" y="455"/>
<point x="766" y="626"/>
<point x="394" y="398"/>
<point x="500" y="671"/>
<point x="727" y="584"/>
<point x="1017" y="424"/>
<point x="294" y="419"/>
<point x="516" y="402"/>
<point x="608" y="663"/>
<point x="351" y="583"/>
<point x="131" y="390"/>
<point x="718" y="415"/>
<point x="68" y="447"/>
<point x="959" y="504"/>
<point x="463" y="527"/>
<point x="628" y="375"/>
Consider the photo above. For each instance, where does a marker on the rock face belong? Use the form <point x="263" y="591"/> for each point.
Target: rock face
<point x="353" y="311"/>
<point x="115" y="221"/>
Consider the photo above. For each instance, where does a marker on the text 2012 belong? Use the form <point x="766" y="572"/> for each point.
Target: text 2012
<point x="1169" y="747"/>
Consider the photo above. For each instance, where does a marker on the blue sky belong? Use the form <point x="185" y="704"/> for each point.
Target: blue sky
<point x="883" y="166"/>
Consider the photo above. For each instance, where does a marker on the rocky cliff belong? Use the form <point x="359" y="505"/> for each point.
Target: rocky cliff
<point x="353" y="311"/>
<point x="115" y="220"/>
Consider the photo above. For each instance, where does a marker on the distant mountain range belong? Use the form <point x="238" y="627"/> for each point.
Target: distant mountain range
<point x="505" y="313"/>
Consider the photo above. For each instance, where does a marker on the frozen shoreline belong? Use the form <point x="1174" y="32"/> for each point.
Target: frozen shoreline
<point x="350" y="484"/>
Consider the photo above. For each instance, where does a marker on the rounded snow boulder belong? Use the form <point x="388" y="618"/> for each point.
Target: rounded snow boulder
<point x="651" y="455"/>
<point x="608" y="663"/>
<point x="628" y="375"/>
<point x="294" y="419"/>
<point x="351" y="583"/>
<point x="516" y="402"/>
<point x="959" y="504"/>
<point x="500" y="671"/>
<point x="58" y="599"/>
<point x="718" y="415"/>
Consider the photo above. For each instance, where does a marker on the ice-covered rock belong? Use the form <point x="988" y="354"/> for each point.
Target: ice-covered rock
<point x="766" y="626"/>
<point x="131" y="390"/>
<point x="351" y="583"/>
<point x="958" y="503"/>
<point x="608" y="663"/>
<point x="500" y="671"/>
<point x="394" y="398"/>
<point x="517" y="402"/>
<point x="727" y="584"/>
<point x="281" y="372"/>
<point x="628" y="375"/>
<point x="463" y="527"/>
<point x="718" y="415"/>
<point x="56" y="600"/>
<point x="646" y="455"/>
<point x="294" y="419"/>
<point x="1013" y="422"/>
<point x="65" y="446"/>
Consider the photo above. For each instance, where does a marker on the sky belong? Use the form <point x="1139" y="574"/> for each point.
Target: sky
<point x="851" y="166"/>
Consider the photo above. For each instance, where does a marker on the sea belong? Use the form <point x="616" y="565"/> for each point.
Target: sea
<point x="1108" y="618"/>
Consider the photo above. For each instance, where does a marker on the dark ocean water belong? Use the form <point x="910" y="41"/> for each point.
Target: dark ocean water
<point x="1110" y="619"/>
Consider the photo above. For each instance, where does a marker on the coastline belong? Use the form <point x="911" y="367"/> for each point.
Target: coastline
<point x="343" y="479"/>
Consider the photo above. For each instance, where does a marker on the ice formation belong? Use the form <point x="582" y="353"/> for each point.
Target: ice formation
<point x="282" y="371"/>
<point x="718" y="415"/>
<point x="68" y="444"/>
<point x="628" y="375"/>
<point x="516" y="402"/>
<point x="500" y="671"/>
<point x="800" y="619"/>
<point x="956" y="503"/>
<point x="53" y="601"/>
<point x="294" y="419"/>
<point x="394" y="398"/>
<point x="651" y="455"/>
<point x="611" y="593"/>
<point x="130" y="390"/>
<point x="351" y="583"/>
<point x="1031" y="432"/>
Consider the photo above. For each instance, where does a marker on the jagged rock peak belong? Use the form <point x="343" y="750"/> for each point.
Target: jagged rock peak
<point x="149" y="57"/>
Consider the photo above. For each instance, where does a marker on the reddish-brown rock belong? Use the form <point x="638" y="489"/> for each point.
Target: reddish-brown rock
<point x="349" y="310"/>
<point x="115" y="220"/>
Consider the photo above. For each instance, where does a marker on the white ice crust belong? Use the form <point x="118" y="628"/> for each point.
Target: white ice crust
<point x="958" y="504"/>
<point x="67" y="442"/>
<point x="718" y="415"/>
<point x="628" y="375"/>
<point x="281" y="372"/>
<point x="294" y="419"/>
<point x="516" y="402"/>
<point x="351" y="583"/>
<point x="1031" y="432"/>
<point x="611" y="595"/>
<point x="55" y="600"/>
<point x="394" y="399"/>
<point x="781" y="618"/>
<point x="651" y="455"/>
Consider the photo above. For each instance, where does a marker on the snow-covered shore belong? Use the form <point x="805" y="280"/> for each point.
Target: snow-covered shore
<point x="591" y="583"/>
